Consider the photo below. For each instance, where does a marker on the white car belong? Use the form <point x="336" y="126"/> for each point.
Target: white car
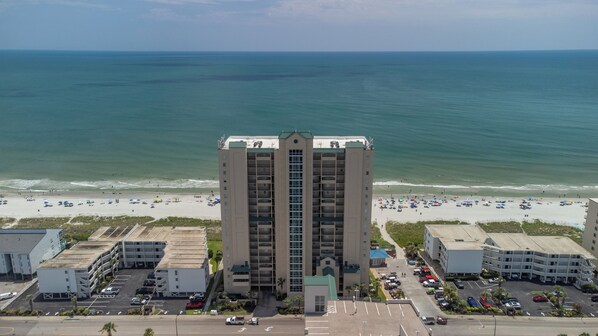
<point x="110" y="291"/>
<point x="6" y="296"/>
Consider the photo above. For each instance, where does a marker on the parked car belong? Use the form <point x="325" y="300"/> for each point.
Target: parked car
<point x="459" y="283"/>
<point x="443" y="303"/>
<point x="484" y="302"/>
<point x="594" y="298"/>
<point x="411" y="262"/>
<point x="144" y="290"/>
<point x="472" y="302"/>
<point x="6" y="296"/>
<point x="138" y="302"/>
<point x="429" y="283"/>
<point x="110" y="291"/>
<point x="194" y="305"/>
<point x="197" y="297"/>
<point x="428" y="320"/>
<point x="540" y="298"/>
<point x="441" y="320"/>
<point x="149" y="282"/>
<point x="151" y="275"/>
<point x="253" y="321"/>
<point x="512" y="303"/>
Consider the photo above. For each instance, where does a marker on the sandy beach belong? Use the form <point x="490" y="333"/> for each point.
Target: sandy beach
<point x="22" y="205"/>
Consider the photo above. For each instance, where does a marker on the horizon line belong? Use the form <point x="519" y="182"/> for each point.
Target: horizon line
<point x="299" y="51"/>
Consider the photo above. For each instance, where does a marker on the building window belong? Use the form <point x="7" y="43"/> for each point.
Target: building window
<point x="320" y="303"/>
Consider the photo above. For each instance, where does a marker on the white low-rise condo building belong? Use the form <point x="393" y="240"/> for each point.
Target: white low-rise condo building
<point x="545" y="258"/>
<point x="467" y="249"/>
<point x="458" y="248"/>
<point x="79" y="270"/>
<point x="23" y="250"/>
<point x="180" y="251"/>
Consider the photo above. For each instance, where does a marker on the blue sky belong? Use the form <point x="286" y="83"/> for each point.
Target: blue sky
<point x="299" y="25"/>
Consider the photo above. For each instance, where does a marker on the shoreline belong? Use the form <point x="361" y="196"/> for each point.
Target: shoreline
<point x="199" y="205"/>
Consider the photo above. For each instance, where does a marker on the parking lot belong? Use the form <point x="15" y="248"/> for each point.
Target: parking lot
<point x="345" y="317"/>
<point x="127" y="280"/>
<point x="524" y="292"/>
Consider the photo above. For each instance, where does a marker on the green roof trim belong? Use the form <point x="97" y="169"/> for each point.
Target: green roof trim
<point x="287" y="134"/>
<point x="354" y="144"/>
<point x="237" y="144"/>
<point x="325" y="280"/>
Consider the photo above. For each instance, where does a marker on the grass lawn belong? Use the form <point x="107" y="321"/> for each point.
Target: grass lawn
<point x="405" y="233"/>
<point x="81" y="227"/>
<point x="236" y="312"/>
<point x="501" y="227"/>
<point x="538" y="228"/>
<point x="535" y="228"/>
<point x="215" y="246"/>
<point x="193" y="312"/>
<point x="376" y="236"/>
<point x="6" y="220"/>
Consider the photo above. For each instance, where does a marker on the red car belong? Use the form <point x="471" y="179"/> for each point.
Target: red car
<point x="194" y="305"/>
<point x="485" y="302"/>
<point x="540" y="298"/>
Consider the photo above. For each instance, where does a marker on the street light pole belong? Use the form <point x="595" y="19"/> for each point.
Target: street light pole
<point x="494" y="315"/>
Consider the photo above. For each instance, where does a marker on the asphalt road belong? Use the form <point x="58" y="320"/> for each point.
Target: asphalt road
<point x="505" y="326"/>
<point x="162" y="325"/>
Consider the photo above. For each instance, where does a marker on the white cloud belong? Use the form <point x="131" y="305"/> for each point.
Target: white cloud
<point x="164" y="14"/>
<point x="372" y="10"/>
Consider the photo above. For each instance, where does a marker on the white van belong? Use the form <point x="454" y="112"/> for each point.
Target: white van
<point x="6" y="296"/>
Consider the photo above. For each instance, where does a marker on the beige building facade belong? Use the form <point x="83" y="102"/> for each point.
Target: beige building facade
<point x="295" y="205"/>
<point x="590" y="234"/>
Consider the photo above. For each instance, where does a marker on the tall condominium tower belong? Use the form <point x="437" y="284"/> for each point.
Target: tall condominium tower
<point x="295" y="205"/>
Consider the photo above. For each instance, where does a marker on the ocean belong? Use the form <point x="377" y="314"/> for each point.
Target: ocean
<point x="456" y="123"/>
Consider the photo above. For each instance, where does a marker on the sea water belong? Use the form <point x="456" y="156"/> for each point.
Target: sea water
<point x="488" y="122"/>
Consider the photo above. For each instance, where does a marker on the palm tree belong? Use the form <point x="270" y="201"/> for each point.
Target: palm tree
<point x="108" y="328"/>
<point x="74" y="302"/>
<point x="148" y="332"/>
<point x="30" y="300"/>
<point x="411" y="250"/>
<point x="561" y="297"/>
<point x="280" y="282"/>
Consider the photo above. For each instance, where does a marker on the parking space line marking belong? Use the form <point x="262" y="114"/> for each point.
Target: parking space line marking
<point x="345" y="306"/>
<point x="378" y="310"/>
<point x="366" y="308"/>
<point x="401" y="307"/>
<point x="388" y="307"/>
<point x="402" y="314"/>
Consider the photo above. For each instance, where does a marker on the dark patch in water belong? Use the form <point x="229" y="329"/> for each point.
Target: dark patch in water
<point x="173" y="65"/>
<point x="100" y="84"/>
<point x="18" y="94"/>
<point x="253" y="78"/>
<point x="226" y="78"/>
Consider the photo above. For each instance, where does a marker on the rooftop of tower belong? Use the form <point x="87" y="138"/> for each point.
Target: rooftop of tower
<point x="271" y="142"/>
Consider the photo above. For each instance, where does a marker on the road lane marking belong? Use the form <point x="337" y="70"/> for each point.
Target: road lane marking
<point x="268" y="329"/>
<point x="10" y="331"/>
<point x="242" y="330"/>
